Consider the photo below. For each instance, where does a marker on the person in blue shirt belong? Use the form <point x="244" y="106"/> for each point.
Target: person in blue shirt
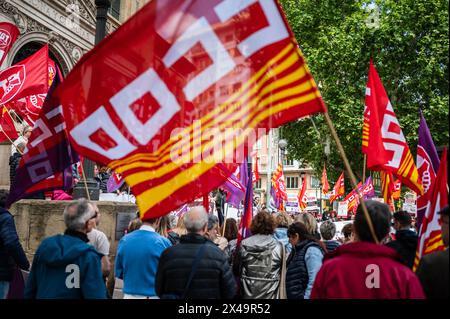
<point x="137" y="260"/>
<point x="66" y="266"/>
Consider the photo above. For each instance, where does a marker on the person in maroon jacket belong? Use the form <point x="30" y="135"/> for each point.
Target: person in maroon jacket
<point x="365" y="270"/>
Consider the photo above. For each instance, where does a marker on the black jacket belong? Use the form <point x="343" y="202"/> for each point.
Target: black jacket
<point x="11" y="252"/>
<point x="433" y="274"/>
<point x="213" y="278"/>
<point x="405" y="244"/>
<point x="297" y="273"/>
<point x="14" y="161"/>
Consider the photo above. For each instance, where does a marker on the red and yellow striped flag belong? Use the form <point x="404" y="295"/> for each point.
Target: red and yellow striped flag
<point x="387" y="188"/>
<point x="174" y="97"/>
<point x="383" y="140"/>
<point x="302" y="198"/>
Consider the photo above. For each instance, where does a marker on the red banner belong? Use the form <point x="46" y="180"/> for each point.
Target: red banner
<point x="279" y="183"/>
<point x="352" y="199"/>
<point x="383" y="139"/>
<point x="27" y="77"/>
<point x="154" y="99"/>
<point x="8" y="35"/>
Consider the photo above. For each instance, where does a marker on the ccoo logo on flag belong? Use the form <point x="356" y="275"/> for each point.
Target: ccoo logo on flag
<point x="13" y="83"/>
<point x="5" y="38"/>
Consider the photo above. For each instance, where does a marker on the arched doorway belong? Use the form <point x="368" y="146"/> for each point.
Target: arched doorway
<point x="31" y="47"/>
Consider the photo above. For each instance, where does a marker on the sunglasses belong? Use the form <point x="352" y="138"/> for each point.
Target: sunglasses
<point x="95" y="215"/>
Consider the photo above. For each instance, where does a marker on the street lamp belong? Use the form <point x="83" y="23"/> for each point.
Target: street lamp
<point x="79" y="190"/>
<point x="282" y="144"/>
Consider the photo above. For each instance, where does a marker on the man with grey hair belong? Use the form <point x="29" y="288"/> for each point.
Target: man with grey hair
<point x="66" y="266"/>
<point x="327" y="231"/>
<point x="196" y="268"/>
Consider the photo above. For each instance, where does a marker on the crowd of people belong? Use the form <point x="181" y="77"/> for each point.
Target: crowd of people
<point x="196" y="257"/>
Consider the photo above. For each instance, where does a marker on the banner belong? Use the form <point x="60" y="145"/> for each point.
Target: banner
<point x="367" y="189"/>
<point x="397" y="189"/>
<point x="27" y="77"/>
<point x="383" y="139"/>
<point x="154" y="100"/>
<point x="48" y="153"/>
<point x="427" y="165"/>
<point x="342" y="209"/>
<point x="115" y="181"/>
<point x="247" y="217"/>
<point x="352" y="199"/>
<point x="430" y="234"/>
<point x="8" y="35"/>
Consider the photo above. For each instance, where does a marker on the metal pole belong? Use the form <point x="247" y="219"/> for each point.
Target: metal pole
<point x="88" y="165"/>
<point x="269" y="168"/>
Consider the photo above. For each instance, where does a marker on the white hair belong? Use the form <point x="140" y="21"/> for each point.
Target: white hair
<point x="77" y="213"/>
<point x="195" y="219"/>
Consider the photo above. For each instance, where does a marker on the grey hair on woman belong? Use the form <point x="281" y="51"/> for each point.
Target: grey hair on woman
<point x="195" y="219"/>
<point x="77" y="213"/>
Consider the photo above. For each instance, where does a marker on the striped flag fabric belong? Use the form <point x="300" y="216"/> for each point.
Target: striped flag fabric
<point x="145" y="101"/>
<point x="325" y="185"/>
<point x="247" y="216"/>
<point x="430" y="234"/>
<point x="279" y="183"/>
<point x="302" y="198"/>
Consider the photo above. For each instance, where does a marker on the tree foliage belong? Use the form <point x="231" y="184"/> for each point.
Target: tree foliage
<point x="410" y="52"/>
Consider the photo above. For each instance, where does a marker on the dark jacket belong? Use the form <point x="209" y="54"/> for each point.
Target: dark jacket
<point x="102" y="179"/>
<point x="213" y="278"/>
<point x="297" y="273"/>
<point x="66" y="267"/>
<point x="433" y="274"/>
<point x="11" y="251"/>
<point x="14" y="161"/>
<point x="405" y="244"/>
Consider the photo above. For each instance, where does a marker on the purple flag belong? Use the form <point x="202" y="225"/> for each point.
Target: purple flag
<point x="427" y="166"/>
<point x="247" y="216"/>
<point x="47" y="154"/>
<point x="367" y="189"/>
<point x="276" y="199"/>
<point x="182" y="210"/>
<point x="115" y="181"/>
<point x="235" y="191"/>
<point x="243" y="173"/>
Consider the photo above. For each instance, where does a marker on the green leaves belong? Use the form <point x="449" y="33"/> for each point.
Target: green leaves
<point x="410" y="52"/>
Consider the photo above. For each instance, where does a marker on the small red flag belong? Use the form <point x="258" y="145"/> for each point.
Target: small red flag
<point x="325" y="185"/>
<point x="7" y="128"/>
<point x="338" y="189"/>
<point x="8" y="35"/>
<point x="302" y="199"/>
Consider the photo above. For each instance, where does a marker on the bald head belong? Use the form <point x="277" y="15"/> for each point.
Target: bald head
<point x="196" y="220"/>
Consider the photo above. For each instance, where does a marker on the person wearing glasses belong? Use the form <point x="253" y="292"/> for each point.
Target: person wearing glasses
<point x="65" y="266"/>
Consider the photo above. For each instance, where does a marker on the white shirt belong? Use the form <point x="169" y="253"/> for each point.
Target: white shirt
<point x="99" y="240"/>
<point x="147" y="228"/>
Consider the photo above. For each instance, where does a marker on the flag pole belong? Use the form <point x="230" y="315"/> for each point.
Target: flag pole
<point x="1" y="128"/>
<point x="225" y="221"/>
<point x="85" y="183"/>
<point x="364" y="167"/>
<point x="352" y="176"/>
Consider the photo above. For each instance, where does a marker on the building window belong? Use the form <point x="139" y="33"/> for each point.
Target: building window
<point x="114" y="10"/>
<point x="258" y="184"/>
<point x="315" y="182"/>
<point x="288" y="162"/>
<point x="291" y="182"/>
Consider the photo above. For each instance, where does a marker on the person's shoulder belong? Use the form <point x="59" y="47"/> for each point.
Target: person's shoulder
<point x="436" y="257"/>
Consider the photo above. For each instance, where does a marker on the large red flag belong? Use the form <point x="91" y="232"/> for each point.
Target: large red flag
<point x="302" y="198"/>
<point x="325" y="185"/>
<point x="338" y="189"/>
<point x="8" y="35"/>
<point x="430" y="234"/>
<point x="383" y="139"/>
<point x="154" y="98"/>
<point x="352" y="199"/>
<point x="30" y="106"/>
<point x="7" y="128"/>
<point x="27" y="77"/>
